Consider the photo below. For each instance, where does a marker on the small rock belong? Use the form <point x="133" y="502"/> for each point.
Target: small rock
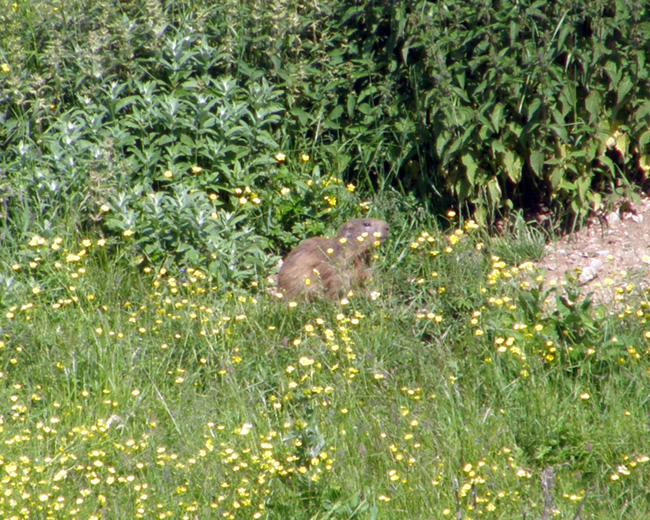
<point x="587" y="275"/>
<point x="595" y="264"/>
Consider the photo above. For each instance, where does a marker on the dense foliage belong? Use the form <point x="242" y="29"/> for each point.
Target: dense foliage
<point x="199" y="125"/>
<point x="171" y="117"/>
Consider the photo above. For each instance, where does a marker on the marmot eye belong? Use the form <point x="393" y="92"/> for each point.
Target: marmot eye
<point x="366" y="224"/>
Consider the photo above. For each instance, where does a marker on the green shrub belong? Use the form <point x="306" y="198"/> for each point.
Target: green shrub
<point x="515" y="103"/>
<point x="169" y="145"/>
<point x="215" y="132"/>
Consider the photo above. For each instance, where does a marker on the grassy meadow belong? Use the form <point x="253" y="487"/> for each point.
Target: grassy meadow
<point x="157" y="158"/>
<point x="457" y="387"/>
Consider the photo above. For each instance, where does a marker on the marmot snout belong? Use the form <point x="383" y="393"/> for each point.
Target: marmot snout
<point x="332" y="266"/>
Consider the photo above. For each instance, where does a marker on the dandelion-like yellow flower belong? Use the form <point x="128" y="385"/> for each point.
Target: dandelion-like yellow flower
<point x="280" y="157"/>
<point x="393" y="475"/>
<point x="245" y="429"/>
<point x="37" y="241"/>
<point x="522" y="473"/>
<point x="60" y="475"/>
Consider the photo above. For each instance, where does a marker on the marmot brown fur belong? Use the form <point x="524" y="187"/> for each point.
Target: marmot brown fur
<point x="332" y="266"/>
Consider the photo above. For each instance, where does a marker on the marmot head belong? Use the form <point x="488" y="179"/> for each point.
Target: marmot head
<point x="364" y="231"/>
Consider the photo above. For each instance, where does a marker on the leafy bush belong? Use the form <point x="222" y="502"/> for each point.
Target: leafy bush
<point x="215" y="132"/>
<point x="515" y="103"/>
<point x="164" y="144"/>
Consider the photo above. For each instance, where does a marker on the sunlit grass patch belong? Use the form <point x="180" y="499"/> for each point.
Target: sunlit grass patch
<point x="161" y="395"/>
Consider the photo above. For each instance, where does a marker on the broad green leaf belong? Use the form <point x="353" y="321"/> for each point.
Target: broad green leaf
<point x="125" y="102"/>
<point x="612" y="71"/>
<point x="512" y="163"/>
<point x="494" y="192"/>
<point x="265" y="137"/>
<point x="515" y="128"/>
<point x="583" y="184"/>
<point x="441" y="142"/>
<point x="497" y="116"/>
<point x="485" y="132"/>
<point x="609" y="163"/>
<point x="302" y="116"/>
<point x="556" y="178"/>
<point x="533" y="107"/>
<point x="644" y="163"/>
<point x="480" y="215"/>
<point x="537" y="162"/>
<point x="644" y="139"/>
<point x="561" y="132"/>
<point x="497" y="147"/>
<point x="558" y="116"/>
<point x="624" y="88"/>
<point x="643" y="110"/>
<point x="470" y="168"/>
<point x="568" y="99"/>
<point x="622" y="144"/>
<point x="364" y="108"/>
<point x="566" y="185"/>
<point x="187" y="140"/>
<point x="596" y="200"/>
<point x="593" y="104"/>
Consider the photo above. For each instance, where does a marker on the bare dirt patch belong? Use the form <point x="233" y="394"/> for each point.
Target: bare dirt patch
<point x="610" y="256"/>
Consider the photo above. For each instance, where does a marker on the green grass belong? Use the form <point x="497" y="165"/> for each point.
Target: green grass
<point x="146" y="394"/>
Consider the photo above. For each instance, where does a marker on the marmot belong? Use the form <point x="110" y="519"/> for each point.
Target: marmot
<point x="332" y="266"/>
